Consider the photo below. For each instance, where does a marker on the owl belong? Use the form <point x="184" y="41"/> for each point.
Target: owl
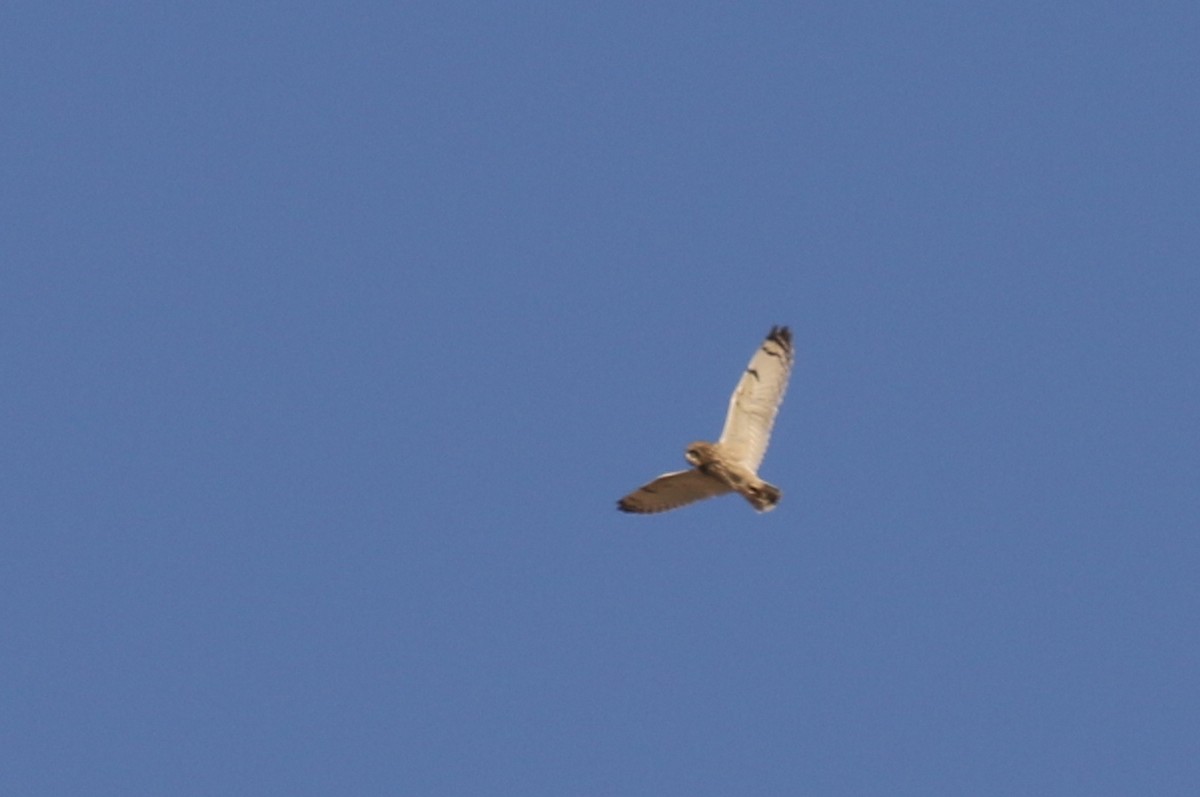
<point x="730" y="465"/>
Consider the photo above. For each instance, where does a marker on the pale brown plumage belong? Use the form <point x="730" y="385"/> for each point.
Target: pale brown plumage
<point x="730" y="464"/>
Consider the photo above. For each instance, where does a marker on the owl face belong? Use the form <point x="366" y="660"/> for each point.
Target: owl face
<point x="698" y="453"/>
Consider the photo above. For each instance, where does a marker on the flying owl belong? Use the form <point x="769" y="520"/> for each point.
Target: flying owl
<point x="731" y="463"/>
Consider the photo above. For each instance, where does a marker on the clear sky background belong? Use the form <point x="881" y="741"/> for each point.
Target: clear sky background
<point x="332" y="332"/>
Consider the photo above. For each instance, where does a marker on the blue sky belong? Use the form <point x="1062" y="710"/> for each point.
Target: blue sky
<point x="332" y="333"/>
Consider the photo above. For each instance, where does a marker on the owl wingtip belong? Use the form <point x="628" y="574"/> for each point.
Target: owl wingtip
<point x="781" y="335"/>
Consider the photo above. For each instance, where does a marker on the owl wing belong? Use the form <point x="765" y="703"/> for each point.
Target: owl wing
<point x="672" y="490"/>
<point x="756" y="399"/>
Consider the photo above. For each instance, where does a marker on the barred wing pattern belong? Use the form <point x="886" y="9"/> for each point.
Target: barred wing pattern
<point x="755" y="401"/>
<point x="672" y="490"/>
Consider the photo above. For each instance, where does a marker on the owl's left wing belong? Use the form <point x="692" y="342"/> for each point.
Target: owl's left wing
<point x="672" y="490"/>
<point x="756" y="399"/>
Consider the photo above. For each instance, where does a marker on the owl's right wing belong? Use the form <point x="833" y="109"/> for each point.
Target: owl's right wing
<point x="672" y="490"/>
<point x="755" y="401"/>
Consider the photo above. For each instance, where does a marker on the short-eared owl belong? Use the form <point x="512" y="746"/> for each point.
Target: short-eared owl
<point x="731" y="463"/>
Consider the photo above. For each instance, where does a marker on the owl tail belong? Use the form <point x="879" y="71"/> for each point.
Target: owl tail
<point x="763" y="496"/>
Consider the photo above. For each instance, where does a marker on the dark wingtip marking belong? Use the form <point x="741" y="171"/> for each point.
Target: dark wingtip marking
<point x="781" y="335"/>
